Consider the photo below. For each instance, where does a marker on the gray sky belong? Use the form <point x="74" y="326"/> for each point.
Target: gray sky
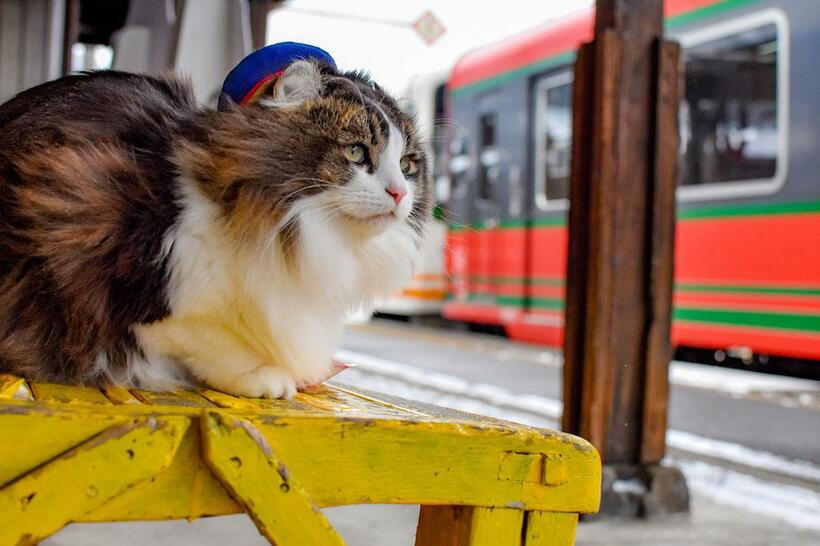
<point x="392" y="54"/>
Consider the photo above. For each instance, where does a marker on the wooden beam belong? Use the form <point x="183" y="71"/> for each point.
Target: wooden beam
<point x="599" y="353"/>
<point x="259" y="11"/>
<point x="661" y="268"/>
<point x="443" y="525"/>
<point x="71" y="32"/>
<point x="582" y="106"/>
<point x="619" y="271"/>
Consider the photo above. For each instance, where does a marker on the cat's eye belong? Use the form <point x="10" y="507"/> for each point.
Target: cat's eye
<point x="408" y="165"/>
<point x="355" y="153"/>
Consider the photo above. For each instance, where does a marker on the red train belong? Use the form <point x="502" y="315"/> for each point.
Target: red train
<point x="747" y="278"/>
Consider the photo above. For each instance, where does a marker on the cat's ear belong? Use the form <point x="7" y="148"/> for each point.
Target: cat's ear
<point x="299" y="82"/>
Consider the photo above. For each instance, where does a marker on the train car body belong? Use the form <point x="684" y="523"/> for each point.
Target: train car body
<point x="747" y="263"/>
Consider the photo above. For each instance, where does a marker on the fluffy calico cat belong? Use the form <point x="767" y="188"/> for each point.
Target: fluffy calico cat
<point x="145" y="241"/>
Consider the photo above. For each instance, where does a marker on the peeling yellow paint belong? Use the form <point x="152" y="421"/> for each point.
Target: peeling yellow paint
<point x="496" y="527"/>
<point x="67" y="394"/>
<point x="521" y="467"/>
<point x="261" y="482"/>
<point x="119" y="395"/>
<point x="550" y="529"/>
<point x="69" y="486"/>
<point x="226" y="400"/>
<point x="339" y="446"/>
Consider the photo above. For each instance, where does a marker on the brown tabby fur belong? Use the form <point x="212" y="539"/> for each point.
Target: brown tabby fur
<point x="89" y="188"/>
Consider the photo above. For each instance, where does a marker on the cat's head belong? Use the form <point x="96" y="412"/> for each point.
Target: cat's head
<point x="332" y="143"/>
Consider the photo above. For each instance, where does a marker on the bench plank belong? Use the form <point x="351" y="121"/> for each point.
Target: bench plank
<point x="176" y="398"/>
<point x="67" y="394"/>
<point x="43" y="501"/>
<point x="119" y="396"/>
<point x="226" y="400"/>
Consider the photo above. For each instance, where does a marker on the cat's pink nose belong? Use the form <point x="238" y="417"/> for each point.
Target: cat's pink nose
<point x="397" y="193"/>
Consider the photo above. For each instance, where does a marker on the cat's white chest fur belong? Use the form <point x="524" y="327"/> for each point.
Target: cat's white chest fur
<point x="244" y="321"/>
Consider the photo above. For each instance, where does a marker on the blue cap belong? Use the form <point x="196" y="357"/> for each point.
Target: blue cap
<point x="255" y="72"/>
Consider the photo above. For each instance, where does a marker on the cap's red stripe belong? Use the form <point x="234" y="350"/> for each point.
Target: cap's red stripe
<point x="251" y="95"/>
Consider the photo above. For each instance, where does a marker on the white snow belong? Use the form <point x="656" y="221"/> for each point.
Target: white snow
<point x="738" y="454"/>
<point x="450" y="384"/>
<point x="636" y="487"/>
<point x="797" y="506"/>
<point x="735" y="382"/>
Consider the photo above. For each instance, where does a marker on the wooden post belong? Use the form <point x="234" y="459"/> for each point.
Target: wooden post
<point x="620" y="263"/>
<point x="259" y="11"/>
<point x="71" y="32"/>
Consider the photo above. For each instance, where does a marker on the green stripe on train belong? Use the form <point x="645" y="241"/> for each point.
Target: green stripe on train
<point x="708" y="11"/>
<point x="731" y="211"/>
<point x="763" y="209"/>
<point x="782" y="321"/>
<point x="679" y="287"/>
<point x="509" y="224"/>
<point x="516" y="301"/>
<point x="506" y="280"/>
<point x="719" y="288"/>
<point x="539" y="66"/>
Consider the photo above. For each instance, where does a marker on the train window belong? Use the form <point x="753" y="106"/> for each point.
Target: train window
<point x="441" y="181"/>
<point x="487" y="155"/>
<point x="438" y="126"/>
<point x="459" y="167"/>
<point x="732" y="134"/>
<point x="553" y="140"/>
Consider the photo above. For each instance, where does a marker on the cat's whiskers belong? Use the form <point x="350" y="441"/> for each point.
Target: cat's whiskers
<point x="320" y="207"/>
<point x="324" y="184"/>
<point x="287" y="200"/>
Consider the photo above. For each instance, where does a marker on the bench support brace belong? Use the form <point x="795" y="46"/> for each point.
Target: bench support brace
<point x="39" y="503"/>
<point x="246" y="465"/>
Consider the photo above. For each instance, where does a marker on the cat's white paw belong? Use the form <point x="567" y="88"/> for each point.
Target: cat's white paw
<point x="265" y="382"/>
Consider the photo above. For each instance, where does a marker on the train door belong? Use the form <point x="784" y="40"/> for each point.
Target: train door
<point x="485" y="208"/>
<point x="547" y="241"/>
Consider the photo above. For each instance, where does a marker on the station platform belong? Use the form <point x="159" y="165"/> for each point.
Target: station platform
<point x="709" y="524"/>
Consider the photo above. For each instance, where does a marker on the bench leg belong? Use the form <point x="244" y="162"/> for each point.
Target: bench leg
<point x="550" y="529"/>
<point x="468" y="526"/>
<point x="41" y="502"/>
<point x="246" y="465"/>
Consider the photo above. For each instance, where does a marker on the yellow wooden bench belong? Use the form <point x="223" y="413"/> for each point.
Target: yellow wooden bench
<point x="74" y="454"/>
